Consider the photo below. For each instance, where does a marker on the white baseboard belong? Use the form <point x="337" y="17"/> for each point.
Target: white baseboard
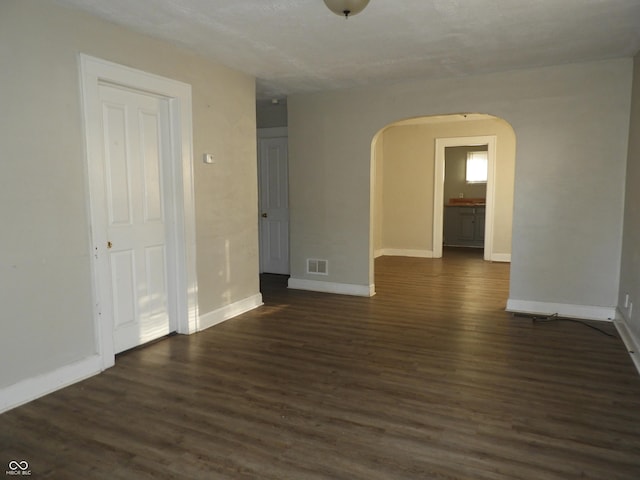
<point x="27" y="390"/>
<point x="563" y="309"/>
<point x="403" y="252"/>
<point x="229" y="311"/>
<point x="399" y="252"/>
<point x="631" y="341"/>
<point x="32" y="388"/>
<point x="331" y="287"/>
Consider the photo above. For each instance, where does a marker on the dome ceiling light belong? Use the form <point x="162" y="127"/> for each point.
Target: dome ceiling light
<point x="346" y="8"/>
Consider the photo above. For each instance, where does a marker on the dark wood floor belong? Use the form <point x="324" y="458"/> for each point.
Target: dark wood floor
<point x="429" y="379"/>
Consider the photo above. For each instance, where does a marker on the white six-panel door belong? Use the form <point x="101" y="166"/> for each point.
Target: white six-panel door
<point x="274" y="205"/>
<point x="135" y="279"/>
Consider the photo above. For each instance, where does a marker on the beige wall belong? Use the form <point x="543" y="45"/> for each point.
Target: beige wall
<point x="571" y="124"/>
<point x="407" y="191"/>
<point x="45" y="277"/>
<point x="630" y="270"/>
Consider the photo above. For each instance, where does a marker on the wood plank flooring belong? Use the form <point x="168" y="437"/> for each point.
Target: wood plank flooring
<point x="429" y="379"/>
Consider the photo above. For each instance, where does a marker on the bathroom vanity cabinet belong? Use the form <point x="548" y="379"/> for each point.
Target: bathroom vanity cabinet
<point x="464" y="225"/>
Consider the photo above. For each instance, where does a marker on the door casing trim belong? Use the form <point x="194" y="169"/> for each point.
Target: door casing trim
<point x="438" y="189"/>
<point x="94" y="71"/>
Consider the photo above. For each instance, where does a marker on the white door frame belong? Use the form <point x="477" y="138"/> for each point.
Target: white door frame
<point x="181" y="231"/>
<point x="438" y="189"/>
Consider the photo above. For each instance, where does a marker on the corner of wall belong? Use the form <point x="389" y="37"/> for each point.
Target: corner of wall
<point x="630" y="340"/>
<point x="32" y="388"/>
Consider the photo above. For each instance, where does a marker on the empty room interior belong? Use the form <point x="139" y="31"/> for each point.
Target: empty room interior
<point x="339" y="239"/>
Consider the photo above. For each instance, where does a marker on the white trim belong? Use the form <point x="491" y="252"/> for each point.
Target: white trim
<point x="402" y="252"/>
<point x="438" y="189"/>
<point x="94" y="71"/>
<point x="229" y="311"/>
<point x="629" y="338"/>
<point x="399" y="252"/>
<point x="375" y="217"/>
<point x="587" y="312"/>
<point x="35" y="387"/>
<point x="272" y="132"/>
<point x="331" y="287"/>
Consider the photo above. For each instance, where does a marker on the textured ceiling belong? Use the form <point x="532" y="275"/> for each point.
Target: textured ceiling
<point x="300" y="46"/>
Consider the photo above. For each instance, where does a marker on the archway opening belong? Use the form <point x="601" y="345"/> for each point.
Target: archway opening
<point x="408" y="198"/>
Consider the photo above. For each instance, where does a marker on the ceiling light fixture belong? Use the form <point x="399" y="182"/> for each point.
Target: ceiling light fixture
<point x="346" y="7"/>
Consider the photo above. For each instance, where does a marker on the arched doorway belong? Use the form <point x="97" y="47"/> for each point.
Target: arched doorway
<point x="407" y="176"/>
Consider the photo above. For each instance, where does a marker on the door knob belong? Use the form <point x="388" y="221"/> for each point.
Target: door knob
<point x="109" y="244"/>
<point x="264" y="215"/>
